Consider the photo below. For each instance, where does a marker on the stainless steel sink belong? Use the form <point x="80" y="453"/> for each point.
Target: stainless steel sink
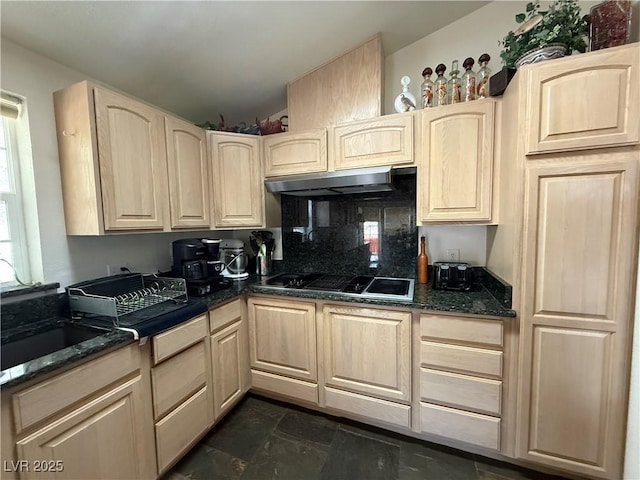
<point x="44" y="343"/>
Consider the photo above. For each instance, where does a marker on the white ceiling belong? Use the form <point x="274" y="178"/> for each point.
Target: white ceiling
<point x="201" y="58"/>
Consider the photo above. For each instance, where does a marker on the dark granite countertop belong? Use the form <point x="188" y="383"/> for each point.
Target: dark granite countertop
<point x="61" y="358"/>
<point x="44" y="315"/>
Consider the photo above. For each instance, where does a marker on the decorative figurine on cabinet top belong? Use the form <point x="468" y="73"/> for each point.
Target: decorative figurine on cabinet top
<point x="405" y="101"/>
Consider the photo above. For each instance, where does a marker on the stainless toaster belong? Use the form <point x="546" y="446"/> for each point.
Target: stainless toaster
<point x="452" y="276"/>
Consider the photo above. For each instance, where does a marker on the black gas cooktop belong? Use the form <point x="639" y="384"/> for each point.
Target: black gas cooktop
<point x="399" y="289"/>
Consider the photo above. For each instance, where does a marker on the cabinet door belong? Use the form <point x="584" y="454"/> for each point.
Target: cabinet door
<point x="584" y="101"/>
<point x="238" y="192"/>
<point x="456" y="168"/>
<point x="295" y="153"/>
<point x="282" y="337"/>
<point x="581" y="234"/>
<point x="188" y="174"/>
<point x="101" y="439"/>
<point x="381" y="141"/>
<point x="368" y="351"/>
<point x="133" y="165"/>
<point x="229" y="351"/>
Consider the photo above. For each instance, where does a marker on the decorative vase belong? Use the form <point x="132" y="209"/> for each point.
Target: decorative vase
<point x="551" y="51"/>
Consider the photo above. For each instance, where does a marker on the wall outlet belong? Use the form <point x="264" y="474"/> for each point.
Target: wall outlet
<point x="453" y="255"/>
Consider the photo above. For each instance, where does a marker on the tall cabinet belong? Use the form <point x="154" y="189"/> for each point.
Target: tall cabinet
<point x="571" y="199"/>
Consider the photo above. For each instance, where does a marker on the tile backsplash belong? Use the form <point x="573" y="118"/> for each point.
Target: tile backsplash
<point x="352" y="234"/>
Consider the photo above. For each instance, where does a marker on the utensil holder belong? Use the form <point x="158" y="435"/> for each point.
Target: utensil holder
<point x="263" y="265"/>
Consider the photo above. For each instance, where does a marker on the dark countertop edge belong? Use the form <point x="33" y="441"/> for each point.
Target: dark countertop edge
<point x="18" y="291"/>
<point x="48" y="363"/>
<point x="499" y="311"/>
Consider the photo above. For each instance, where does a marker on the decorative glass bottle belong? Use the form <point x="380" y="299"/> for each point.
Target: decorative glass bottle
<point x="426" y="88"/>
<point x="468" y="81"/>
<point x="423" y="262"/>
<point x="455" y="93"/>
<point x="441" y="96"/>
<point x="405" y="101"/>
<point x="483" y="76"/>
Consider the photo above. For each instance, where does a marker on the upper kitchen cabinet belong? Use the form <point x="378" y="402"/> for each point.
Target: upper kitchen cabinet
<point x="381" y="141"/>
<point x="188" y="167"/>
<point x="112" y="161"/>
<point x="344" y="89"/>
<point x="455" y="173"/>
<point x="584" y="101"/>
<point x="295" y="152"/>
<point x="236" y="179"/>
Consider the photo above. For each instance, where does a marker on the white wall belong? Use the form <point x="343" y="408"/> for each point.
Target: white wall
<point x="70" y="259"/>
<point x="471" y="240"/>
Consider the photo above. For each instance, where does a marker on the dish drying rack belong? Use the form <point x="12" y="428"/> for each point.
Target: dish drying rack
<point x="122" y="295"/>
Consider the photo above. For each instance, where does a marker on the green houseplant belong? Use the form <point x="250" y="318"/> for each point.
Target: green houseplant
<point x="560" y="24"/>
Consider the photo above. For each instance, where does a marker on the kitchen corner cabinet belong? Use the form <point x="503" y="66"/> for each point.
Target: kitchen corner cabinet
<point x="112" y="161"/>
<point x="94" y="419"/>
<point x="182" y="389"/>
<point x="455" y="173"/>
<point x="230" y="355"/>
<point x="236" y="180"/>
<point x="282" y="347"/>
<point x="584" y="101"/>
<point x="579" y="256"/>
<point x="188" y="169"/>
<point x="367" y="362"/>
<point x="294" y="153"/>
<point x="459" y="367"/>
<point x="382" y="141"/>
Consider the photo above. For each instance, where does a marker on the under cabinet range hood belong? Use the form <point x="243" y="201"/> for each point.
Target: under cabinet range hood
<point x="361" y="180"/>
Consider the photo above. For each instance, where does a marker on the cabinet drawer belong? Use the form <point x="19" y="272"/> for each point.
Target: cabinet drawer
<point x="458" y="329"/>
<point x="222" y="316"/>
<point x="179" y="338"/>
<point x="460" y="358"/>
<point x="380" y="410"/>
<point x="480" y="395"/>
<point x="176" y="432"/>
<point x="43" y="400"/>
<point x="178" y="378"/>
<point x="468" y="427"/>
<point x="290" y="387"/>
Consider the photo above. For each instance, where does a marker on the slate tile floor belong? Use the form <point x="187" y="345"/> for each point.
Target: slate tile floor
<point x="262" y="439"/>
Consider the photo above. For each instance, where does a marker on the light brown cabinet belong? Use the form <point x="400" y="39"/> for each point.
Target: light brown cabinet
<point x="236" y="180"/>
<point x="459" y="367"/>
<point x="98" y="411"/>
<point x="188" y="169"/>
<point x="294" y="153"/>
<point x="582" y="102"/>
<point x="367" y="362"/>
<point x="112" y="161"/>
<point x="581" y="234"/>
<point x="229" y="354"/>
<point x="569" y="225"/>
<point x="455" y="171"/>
<point x="380" y="141"/>
<point x="282" y="347"/>
<point x="182" y="389"/>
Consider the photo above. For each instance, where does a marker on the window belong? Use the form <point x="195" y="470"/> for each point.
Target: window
<point x="13" y="244"/>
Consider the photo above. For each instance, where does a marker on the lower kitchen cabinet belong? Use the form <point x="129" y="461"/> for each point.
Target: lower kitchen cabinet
<point x="182" y="389"/>
<point x="91" y="422"/>
<point x="282" y="347"/>
<point x="230" y="355"/>
<point x="367" y="362"/>
<point x="459" y="368"/>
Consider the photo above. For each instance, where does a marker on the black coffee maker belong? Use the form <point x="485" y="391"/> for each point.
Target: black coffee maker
<point x="197" y="261"/>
